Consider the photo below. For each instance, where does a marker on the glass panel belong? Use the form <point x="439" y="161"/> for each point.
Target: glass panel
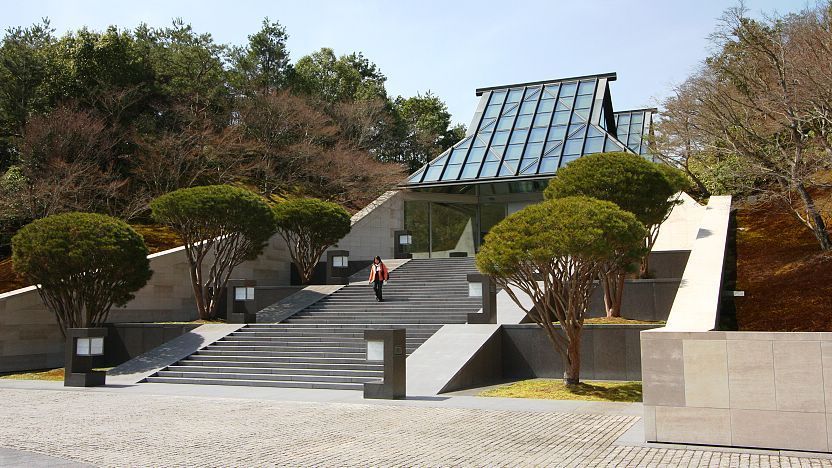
<point x="533" y="150"/>
<point x="523" y="121"/>
<point x="568" y="159"/>
<point x="514" y="152"/>
<point x="531" y="94"/>
<point x="548" y="165"/>
<point x="637" y="119"/>
<point x="490" y="215"/>
<point x="514" y="95"/>
<point x="546" y="106"/>
<point x="634" y="146"/>
<point x="582" y="114"/>
<point x="464" y="143"/>
<point x="528" y="107"/>
<point x="487" y="125"/>
<point x="623" y="119"/>
<point x="557" y="133"/>
<point x="508" y="169"/>
<point x="594" y="145"/>
<point x="572" y="147"/>
<point x="495" y="153"/>
<point x="550" y="91"/>
<point x="505" y="123"/>
<point x="489" y="169"/>
<point x="611" y="145"/>
<point x="452" y="172"/>
<point x="416" y="219"/>
<point x="433" y="173"/>
<point x="568" y="89"/>
<point x="417" y="176"/>
<point x="552" y="148"/>
<point x="577" y="131"/>
<point x="561" y="118"/>
<point x="594" y="131"/>
<point x="500" y="138"/>
<point x="497" y="97"/>
<point x="476" y="154"/>
<point x="529" y="166"/>
<point x="519" y="136"/>
<point x="470" y="171"/>
<point x="511" y="109"/>
<point x="538" y="134"/>
<point x="492" y="111"/>
<point x="542" y="120"/>
<point x="586" y="87"/>
<point x="562" y="105"/>
<point x="452" y="228"/>
<point x="582" y="102"/>
<point x="458" y="156"/>
<point x="480" y="142"/>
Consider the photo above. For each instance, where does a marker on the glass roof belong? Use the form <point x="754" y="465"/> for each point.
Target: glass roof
<point x="633" y="127"/>
<point x="526" y="131"/>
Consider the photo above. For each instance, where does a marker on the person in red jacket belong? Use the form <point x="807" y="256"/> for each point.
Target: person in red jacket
<point x="378" y="276"/>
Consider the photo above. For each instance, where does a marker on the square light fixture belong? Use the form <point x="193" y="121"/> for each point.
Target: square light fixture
<point x="475" y="289"/>
<point x="340" y="261"/>
<point x="244" y="294"/>
<point x="89" y="346"/>
<point x="375" y="350"/>
<point x="405" y="239"/>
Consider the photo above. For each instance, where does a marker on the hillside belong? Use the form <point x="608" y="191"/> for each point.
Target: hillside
<point x="787" y="281"/>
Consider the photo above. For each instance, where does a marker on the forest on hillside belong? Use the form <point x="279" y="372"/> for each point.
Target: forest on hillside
<point x="104" y="121"/>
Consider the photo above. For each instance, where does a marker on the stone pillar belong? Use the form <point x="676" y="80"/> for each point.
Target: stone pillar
<point x="390" y="347"/>
<point x="337" y="270"/>
<point x="240" y="306"/>
<point x="82" y="346"/>
<point x="488" y="290"/>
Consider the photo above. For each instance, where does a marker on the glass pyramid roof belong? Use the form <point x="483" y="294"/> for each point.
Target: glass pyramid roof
<point x="529" y="131"/>
<point x="633" y="127"/>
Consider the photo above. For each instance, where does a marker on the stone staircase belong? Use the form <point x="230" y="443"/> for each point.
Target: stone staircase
<point x="322" y="346"/>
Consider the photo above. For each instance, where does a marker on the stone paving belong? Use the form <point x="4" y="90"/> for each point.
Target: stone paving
<point x="119" y="428"/>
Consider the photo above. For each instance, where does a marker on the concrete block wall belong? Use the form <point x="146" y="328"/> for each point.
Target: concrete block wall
<point x="747" y="389"/>
<point x="373" y="228"/>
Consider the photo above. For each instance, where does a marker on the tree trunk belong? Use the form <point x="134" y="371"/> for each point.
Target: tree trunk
<point x="572" y="364"/>
<point x="613" y="283"/>
<point x="815" y="218"/>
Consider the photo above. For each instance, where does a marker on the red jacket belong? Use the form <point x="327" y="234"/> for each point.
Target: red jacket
<point x="384" y="273"/>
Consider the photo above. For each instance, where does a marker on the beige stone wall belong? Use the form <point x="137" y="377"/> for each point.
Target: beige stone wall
<point x="373" y="228"/>
<point x="748" y="389"/>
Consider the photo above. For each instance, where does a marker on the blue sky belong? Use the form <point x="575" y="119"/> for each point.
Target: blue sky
<point x="451" y="48"/>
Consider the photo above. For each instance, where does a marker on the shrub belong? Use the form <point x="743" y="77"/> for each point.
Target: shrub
<point x="552" y="252"/>
<point x="310" y="226"/>
<point x="82" y="264"/>
<point x="229" y="223"/>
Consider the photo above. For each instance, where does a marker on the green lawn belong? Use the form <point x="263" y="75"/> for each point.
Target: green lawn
<point x="555" y="389"/>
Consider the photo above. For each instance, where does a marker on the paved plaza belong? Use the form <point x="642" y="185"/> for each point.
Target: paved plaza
<point x="127" y="427"/>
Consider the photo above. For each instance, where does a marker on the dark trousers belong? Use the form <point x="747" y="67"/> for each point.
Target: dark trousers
<point x="377" y="284"/>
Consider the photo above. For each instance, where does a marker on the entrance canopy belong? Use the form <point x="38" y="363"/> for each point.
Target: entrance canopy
<point x="529" y="130"/>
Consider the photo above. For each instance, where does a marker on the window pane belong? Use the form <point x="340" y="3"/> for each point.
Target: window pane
<point x="572" y="147"/>
<point x="557" y="133"/>
<point x="489" y="169"/>
<point x="457" y="156"/>
<point x="470" y="171"/>
<point x="495" y="153"/>
<point x="433" y="173"/>
<point x="563" y="105"/>
<point x="476" y="154"/>
<point x="542" y="120"/>
<point x="637" y="119"/>
<point x="464" y="143"/>
<point x="546" y="106"/>
<point x="480" y="141"/>
<point x="452" y="172"/>
<point x="594" y="145"/>
<point x="529" y="166"/>
<point x="519" y="136"/>
<point x="568" y="159"/>
<point x="523" y="121"/>
<point x="417" y="176"/>
<point x="550" y="92"/>
<point x="624" y="119"/>
<point x="582" y="114"/>
<point x="497" y="97"/>
<point x="528" y="107"/>
<point x="594" y="132"/>
<point x="487" y="125"/>
<point x="582" y="102"/>
<point x="577" y="131"/>
<point x="538" y="134"/>
<point x="531" y="94"/>
<point x="492" y="111"/>
<point x="561" y="118"/>
<point x="586" y="87"/>
<point x="568" y="89"/>
<point x="611" y="145"/>
<point x="548" y="165"/>
<point x="533" y="150"/>
<point x="552" y="148"/>
<point x="511" y="109"/>
<point x="514" y="152"/>
<point x="514" y="95"/>
<point x="508" y="169"/>
<point x="500" y="138"/>
<point x="505" y="123"/>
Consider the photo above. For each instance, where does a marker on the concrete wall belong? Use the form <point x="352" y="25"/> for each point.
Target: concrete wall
<point x="126" y="341"/>
<point x="373" y="228"/>
<point x="608" y="352"/>
<point x="647" y="299"/>
<point x="679" y="230"/>
<point x="747" y="389"/>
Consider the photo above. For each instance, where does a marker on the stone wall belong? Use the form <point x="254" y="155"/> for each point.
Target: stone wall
<point x="747" y="389"/>
<point x="373" y="228"/>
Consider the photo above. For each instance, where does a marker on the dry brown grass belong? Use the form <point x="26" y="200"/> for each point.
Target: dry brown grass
<point x="786" y="279"/>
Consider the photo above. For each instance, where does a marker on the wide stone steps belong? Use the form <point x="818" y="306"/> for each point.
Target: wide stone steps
<point x="323" y="345"/>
